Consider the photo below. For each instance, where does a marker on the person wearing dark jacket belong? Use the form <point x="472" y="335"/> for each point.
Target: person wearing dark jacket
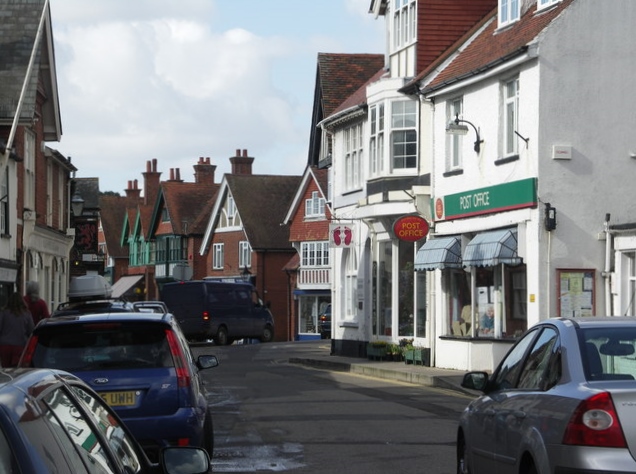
<point x="16" y="325"/>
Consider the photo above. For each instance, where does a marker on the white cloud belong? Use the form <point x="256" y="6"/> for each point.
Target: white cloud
<point x="168" y="80"/>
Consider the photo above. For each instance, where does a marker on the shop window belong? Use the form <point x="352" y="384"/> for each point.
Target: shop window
<point x="485" y="295"/>
<point x="420" y="301"/>
<point x="457" y="290"/>
<point x="500" y="306"/>
<point x="406" y="317"/>
<point x="382" y="323"/>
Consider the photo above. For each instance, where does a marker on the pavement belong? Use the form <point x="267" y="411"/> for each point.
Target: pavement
<point x="317" y="354"/>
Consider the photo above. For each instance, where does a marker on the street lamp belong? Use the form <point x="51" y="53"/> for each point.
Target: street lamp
<point x="77" y="204"/>
<point x="454" y="128"/>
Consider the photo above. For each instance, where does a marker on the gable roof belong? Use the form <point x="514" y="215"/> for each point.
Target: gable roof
<point x="261" y="201"/>
<point x="312" y="174"/>
<point x="356" y="102"/>
<point x="112" y="212"/>
<point x="187" y="203"/>
<point x="492" y="46"/>
<point x="340" y="75"/>
<point x="337" y="77"/>
<point x="21" y="20"/>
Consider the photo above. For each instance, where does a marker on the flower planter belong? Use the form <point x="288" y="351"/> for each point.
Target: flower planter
<point x="376" y="352"/>
<point x="421" y="356"/>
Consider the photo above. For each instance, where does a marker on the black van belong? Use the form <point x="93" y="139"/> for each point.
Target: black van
<point x="218" y="310"/>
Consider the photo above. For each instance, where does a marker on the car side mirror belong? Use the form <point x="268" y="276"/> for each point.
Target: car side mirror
<point x="206" y="361"/>
<point x="185" y="460"/>
<point x="475" y="381"/>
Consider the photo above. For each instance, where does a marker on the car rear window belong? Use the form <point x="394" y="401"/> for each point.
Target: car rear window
<point x="96" y="346"/>
<point x="609" y="353"/>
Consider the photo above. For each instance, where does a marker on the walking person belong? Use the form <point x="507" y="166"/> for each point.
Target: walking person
<point x="16" y="325"/>
<point x="36" y="305"/>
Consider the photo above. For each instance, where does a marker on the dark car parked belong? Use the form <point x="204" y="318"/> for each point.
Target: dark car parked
<point x="324" y="323"/>
<point x="225" y="312"/>
<point x="52" y="422"/>
<point x="141" y="364"/>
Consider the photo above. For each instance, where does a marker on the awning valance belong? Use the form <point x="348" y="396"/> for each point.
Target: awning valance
<point x="443" y="252"/>
<point x="125" y="283"/>
<point x="492" y="248"/>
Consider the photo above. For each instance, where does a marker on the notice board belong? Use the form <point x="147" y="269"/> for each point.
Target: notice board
<point x="576" y="292"/>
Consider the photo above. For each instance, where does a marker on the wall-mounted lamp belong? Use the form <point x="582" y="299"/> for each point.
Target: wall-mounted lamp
<point x="77" y="204"/>
<point x="454" y="128"/>
<point x="550" y="217"/>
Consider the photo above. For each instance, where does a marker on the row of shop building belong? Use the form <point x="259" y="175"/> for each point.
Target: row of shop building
<point x="512" y="149"/>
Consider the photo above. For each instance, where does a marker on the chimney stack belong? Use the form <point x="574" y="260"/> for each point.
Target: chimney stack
<point x="151" y="182"/>
<point x="241" y="164"/>
<point x="132" y="194"/>
<point x="204" y="171"/>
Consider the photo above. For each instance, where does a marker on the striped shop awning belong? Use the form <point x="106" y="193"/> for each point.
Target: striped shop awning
<point x="443" y="252"/>
<point x="492" y="248"/>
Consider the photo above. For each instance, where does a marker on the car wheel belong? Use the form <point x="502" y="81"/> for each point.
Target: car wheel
<point x="530" y="468"/>
<point x="221" y="338"/>
<point x="268" y="334"/>
<point x="462" y="465"/>
<point x="208" y="434"/>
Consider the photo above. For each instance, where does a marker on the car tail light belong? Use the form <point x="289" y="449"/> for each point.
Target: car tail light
<point x="27" y="355"/>
<point x="181" y="366"/>
<point x="206" y="316"/>
<point x="595" y="423"/>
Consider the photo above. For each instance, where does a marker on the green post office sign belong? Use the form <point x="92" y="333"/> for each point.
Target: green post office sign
<point x="503" y="197"/>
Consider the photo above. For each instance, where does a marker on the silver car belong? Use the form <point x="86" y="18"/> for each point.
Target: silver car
<point x="563" y="400"/>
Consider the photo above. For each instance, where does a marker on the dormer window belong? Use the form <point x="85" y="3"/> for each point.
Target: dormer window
<point x="509" y="11"/>
<point x="315" y="206"/>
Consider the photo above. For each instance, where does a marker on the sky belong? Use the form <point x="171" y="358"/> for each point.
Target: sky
<point x="175" y="80"/>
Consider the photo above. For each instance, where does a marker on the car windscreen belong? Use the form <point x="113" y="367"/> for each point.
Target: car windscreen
<point x="108" y="345"/>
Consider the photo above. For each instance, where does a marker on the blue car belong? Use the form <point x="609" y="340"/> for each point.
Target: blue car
<point x="52" y="422"/>
<point x="141" y="364"/>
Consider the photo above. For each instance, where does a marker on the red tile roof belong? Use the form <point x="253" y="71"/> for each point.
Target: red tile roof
<point x="340" y="75"/>
<point x="493" y="45"/>
<point x="186" y="202"/>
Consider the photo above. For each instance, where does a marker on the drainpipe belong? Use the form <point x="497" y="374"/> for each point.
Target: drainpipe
<point x="606" y="273"/>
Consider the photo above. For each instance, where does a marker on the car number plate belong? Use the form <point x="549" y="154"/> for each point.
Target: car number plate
<point x="120" y="399"/>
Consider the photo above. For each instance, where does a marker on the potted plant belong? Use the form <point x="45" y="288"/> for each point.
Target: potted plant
<point x="417" y="355"/>
<point x="394" y="352"/>
<point x="377" y="350"/>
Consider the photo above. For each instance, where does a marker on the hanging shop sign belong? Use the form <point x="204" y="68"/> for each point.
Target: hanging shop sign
<point x="410" y="228"/>
<point x="340" y="235"/>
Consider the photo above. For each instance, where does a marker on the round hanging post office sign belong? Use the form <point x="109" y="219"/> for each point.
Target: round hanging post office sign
<point x="410" y="228"/>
